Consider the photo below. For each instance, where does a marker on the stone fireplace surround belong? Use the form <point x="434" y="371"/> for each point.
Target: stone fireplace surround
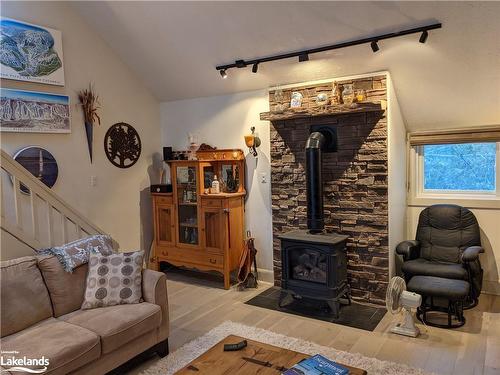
<point x="355" y="184"/>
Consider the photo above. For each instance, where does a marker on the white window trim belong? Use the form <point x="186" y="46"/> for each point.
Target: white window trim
<point x="417" y="196"/>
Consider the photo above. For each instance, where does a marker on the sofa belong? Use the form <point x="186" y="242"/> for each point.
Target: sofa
<point x="41" y="316"/>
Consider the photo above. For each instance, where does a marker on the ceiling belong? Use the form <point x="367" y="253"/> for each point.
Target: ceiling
<point x="451" y="81"/>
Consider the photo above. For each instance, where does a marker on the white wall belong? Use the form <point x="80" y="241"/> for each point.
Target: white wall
<point x="114" y="204"/>
<point x="222" y="121"/>
<point x="489" y="220"/>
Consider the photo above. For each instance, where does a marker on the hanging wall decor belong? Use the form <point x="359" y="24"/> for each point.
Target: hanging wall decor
<point x="89" y="102"/>
<point x="33" y="112"/>
<point x="31" y="53"/>
<point x="122" y="145"/>
<point x="40" y="163"/>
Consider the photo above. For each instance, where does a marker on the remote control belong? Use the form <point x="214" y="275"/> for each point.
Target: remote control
<point x="235" y="347"/>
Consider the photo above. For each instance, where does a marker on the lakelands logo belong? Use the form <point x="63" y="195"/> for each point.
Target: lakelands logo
<point x="10" y="362"/>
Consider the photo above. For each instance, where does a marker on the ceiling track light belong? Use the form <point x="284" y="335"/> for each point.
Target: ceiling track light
<point x="423" y="37"/>
<point x="304" y="55"/>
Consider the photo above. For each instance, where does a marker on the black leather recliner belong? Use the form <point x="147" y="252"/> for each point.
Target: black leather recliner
<point x="447" y="245"/>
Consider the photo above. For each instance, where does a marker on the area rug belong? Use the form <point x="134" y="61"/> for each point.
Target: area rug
<point x="182" y="356"/>
<point x="354" y="315"/>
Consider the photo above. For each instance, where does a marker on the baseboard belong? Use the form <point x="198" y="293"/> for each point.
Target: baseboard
<point x="266" y="275"/>
<point x="491" y="287"/>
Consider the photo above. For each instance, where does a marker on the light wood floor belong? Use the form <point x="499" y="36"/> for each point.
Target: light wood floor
<point x="198" y="305"/>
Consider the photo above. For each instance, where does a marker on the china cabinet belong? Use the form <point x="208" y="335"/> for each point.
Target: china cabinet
<point x="195" y="228"/>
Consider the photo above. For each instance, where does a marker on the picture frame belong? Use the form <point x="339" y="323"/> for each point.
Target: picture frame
<point x="34" y="112"/>
<point x="31" y="53"/>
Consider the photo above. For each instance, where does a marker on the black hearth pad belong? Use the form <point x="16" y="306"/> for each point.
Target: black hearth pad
<point x="355" y="315"/>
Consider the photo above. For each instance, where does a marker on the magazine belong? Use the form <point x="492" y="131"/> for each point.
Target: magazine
<point x="317" y="365"/>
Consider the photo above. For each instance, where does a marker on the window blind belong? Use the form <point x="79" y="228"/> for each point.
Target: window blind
<point x="463" y="135"/>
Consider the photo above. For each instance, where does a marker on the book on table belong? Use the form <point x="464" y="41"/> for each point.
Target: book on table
<point x="317" y="365"/>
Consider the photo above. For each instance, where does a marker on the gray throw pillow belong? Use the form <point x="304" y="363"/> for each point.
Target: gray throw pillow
<point x="114" y="279"/>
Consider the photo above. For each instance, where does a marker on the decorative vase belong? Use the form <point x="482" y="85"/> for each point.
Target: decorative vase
<point x="89" y="131"/>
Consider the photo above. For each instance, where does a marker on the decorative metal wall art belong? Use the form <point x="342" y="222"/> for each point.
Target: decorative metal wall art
<point x="40" y="163"/>
<point x="122" y="145"/>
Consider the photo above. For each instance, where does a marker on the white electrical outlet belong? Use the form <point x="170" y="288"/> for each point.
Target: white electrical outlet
<point x="93" y="181"/>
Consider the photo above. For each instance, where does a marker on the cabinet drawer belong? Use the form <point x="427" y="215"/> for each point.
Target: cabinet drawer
<point x="192" y="256"/>
<point x="212" y="202"/>
<point x="163" y="200"/>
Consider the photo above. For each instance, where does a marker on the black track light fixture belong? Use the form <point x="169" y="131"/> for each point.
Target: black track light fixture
<point x="423" y="37"/>
<point x="304" y="54"/>
<point x="303" y="57"/>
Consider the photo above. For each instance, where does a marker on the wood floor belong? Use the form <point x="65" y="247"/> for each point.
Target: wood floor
<point x="200" y="304"/>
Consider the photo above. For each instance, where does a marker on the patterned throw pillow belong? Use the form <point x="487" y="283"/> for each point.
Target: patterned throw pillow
<point x="76" y="253"/>
<point x="114" y="279"/>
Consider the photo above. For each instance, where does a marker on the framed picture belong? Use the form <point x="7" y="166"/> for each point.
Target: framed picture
<point x="34" y="112"/>
<point x="31" y="53"/>
<point x="40" y="163"/>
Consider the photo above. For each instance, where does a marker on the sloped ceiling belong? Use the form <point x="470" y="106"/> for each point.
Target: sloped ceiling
<point x="451" y="81"/>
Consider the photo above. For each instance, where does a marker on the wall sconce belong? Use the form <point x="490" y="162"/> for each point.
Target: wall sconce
<point x="252" y="141"/>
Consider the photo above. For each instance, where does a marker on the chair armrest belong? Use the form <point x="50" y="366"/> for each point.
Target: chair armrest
<point x="471" y="253"/>
<point x="154" y="290"/>
<point x="409" y="249"/>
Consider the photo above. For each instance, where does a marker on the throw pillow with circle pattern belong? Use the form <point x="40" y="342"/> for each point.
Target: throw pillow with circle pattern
<point x="114" y="279"/>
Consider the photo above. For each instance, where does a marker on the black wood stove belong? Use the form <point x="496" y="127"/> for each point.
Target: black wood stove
<point x="314" y="263"/>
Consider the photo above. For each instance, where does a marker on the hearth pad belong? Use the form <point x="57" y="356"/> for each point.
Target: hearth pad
<point x="355" y="315"/>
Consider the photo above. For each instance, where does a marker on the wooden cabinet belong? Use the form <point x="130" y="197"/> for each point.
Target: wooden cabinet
<point x="197" y="229"/>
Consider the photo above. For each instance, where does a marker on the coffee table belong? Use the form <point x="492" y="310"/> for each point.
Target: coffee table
<point x="215" y="361"/>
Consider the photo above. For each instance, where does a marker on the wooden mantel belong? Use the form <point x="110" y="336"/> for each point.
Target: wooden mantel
<point x="317" y="111"/>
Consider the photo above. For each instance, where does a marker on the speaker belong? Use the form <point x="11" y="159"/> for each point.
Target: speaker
<point x="167" y="153"/>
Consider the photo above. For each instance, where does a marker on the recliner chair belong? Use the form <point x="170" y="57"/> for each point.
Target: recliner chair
<point x="447" y="245"/>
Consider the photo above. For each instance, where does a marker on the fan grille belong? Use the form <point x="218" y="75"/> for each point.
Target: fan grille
<point x="396" y="287"/>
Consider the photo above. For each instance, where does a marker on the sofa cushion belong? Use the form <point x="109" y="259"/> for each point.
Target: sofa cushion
<point x="425" y="267"/>
<point x="117" y="325"/>
<point x="66" y="289"/>
<point x="24" y="296"/>
<point x="66" y="346"/>
<point x="113" y="279"/>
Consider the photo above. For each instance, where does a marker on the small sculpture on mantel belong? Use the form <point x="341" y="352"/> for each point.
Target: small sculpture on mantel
<point x="337" y="93"/>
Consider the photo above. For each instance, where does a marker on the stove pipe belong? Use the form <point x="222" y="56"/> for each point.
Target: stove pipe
<point x="314" y="182"/>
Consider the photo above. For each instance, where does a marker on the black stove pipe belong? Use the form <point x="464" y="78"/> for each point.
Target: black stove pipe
<point x="314" y="182"/>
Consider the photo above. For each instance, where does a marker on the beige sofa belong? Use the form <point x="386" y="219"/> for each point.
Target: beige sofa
<point x="41" y="316"/>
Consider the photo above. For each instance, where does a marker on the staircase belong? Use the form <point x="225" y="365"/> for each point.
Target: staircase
<point x="35" y="218"/>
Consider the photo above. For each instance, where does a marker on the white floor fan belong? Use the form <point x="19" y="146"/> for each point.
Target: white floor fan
<point x="398" y="298"/>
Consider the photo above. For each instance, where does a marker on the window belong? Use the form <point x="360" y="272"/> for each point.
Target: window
<point x="460" y="168"/>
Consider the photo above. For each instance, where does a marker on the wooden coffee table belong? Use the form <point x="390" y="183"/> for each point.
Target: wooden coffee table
<point x="216" y="361"/>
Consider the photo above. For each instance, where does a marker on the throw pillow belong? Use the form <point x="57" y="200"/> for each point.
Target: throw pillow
<point x="76" y="253"/>
<point x="113" y="280"/>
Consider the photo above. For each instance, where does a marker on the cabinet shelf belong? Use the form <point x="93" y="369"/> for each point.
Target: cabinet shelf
<point x="188" y="204"/>
<point x="188" y="225"/>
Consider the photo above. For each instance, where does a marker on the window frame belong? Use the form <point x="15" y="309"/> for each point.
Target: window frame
<point x="417" y="195"/>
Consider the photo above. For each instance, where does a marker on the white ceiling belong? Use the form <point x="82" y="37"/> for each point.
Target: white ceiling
<point x="453" y="80"/>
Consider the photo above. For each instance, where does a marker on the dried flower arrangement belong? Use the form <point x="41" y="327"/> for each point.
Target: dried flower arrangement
<point x="89" y="102"/>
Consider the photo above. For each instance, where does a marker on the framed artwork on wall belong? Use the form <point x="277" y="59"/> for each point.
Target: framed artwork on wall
<point x="31" y="53"/>
<point x="40" y="162"/>
<point x="34" y="112"/>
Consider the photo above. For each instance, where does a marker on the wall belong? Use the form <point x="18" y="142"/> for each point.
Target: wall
<point x="222" y="121"/>
<point x="355" y="183"/>
<point x="114" y="203"/>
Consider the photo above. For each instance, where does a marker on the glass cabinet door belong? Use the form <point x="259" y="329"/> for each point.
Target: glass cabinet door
<point x="187" y="202"/>
<point x="165" y="224"/>
<point x="212" y="229"/>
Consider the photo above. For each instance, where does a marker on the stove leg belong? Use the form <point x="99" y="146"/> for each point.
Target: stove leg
<point x="335" y="307"/>
<point x="286" y="298"/>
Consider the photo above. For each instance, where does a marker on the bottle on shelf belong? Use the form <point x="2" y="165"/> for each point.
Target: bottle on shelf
<point x="215" y="186"/>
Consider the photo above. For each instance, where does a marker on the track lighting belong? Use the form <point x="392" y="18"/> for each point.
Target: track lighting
<point x="303" y="57"/>
<point x="424" y="36"/>
<point x="304" y="54"/>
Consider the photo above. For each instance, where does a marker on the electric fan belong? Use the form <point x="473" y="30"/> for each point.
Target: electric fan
<point x="398" y="298"/>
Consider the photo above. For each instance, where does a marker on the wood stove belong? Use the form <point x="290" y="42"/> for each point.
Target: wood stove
<point x="314" y="263"/>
